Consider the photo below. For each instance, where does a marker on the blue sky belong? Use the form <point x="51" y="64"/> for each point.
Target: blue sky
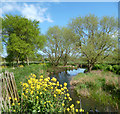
<point x="58" y="13"/>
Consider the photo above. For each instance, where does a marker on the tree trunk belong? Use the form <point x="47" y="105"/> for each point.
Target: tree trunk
<point x="17" y="61"/>
<point x="27" y="60"/>
<point x="65" y="60"/>
<point x="89" y="66"/>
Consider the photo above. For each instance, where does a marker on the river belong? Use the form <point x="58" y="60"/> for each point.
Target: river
<point x="86" y="103"/>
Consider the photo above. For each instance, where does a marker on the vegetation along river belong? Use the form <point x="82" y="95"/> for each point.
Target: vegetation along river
<point x="86" y="103"/>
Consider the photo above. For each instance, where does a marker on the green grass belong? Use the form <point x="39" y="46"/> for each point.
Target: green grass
<point x="100" y="85"/>
<point x="21" y="73"/>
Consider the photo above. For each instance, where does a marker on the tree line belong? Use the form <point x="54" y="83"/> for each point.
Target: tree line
<point x="89" y="38"/>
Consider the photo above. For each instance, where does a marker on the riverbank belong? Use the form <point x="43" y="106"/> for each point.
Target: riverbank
<point x="99" y="85"/>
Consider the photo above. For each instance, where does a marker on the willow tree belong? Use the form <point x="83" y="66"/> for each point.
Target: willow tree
<point x="68" y="39"/>
<point x="54" y="47"/>
<point x="95" y="36"/>
<point x="21" y="36"/>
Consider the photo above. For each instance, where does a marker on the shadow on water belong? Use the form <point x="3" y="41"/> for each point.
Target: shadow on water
<point x="87" y="103"/>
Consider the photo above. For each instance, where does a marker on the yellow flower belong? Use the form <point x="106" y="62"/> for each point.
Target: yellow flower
<point x="65" y="84"/>
<point x="29" y="82"/>
<point x="38" y="87"/>
<point x="18" y="103"/>
<point x="41" y="76"/>
<point x="54" y="79"/>
<point x="57" y="84"/>
<point x="53" y="83"/>
<point x="78" y="102"/>
<point x="31" y="92"/>
<point x="26" y="97"/>
<point x="68" y="94"/>
<point x="81" y="110"/>
<point x="72" y="106"/>
<point x="13" y="104"/>
<point x="70" y="99"/>
<point x="62" y="89"/>
<point x="26" y="91"/>
<point x="13" y="110"/>
<point x="63" y="104"/>
<point x="40" y="80"/>
<point x="37" y="97"/>
<point x="65" y="87"/>
<point x="34" y="75"/>
<point x="46" y="79"/>
<point x="73" y="109"/>
<point x="76" y="110"/>
<point x="15" y="99"/>
<point x="60" y="85"/>
<point x="40" y="93"/>
<point x="51" y="87"/>
<point x="65" y="97"/>
<point x="23" y="94"/>
<point x="68" y="109"/>
<point x="54" y="95"/>
<point x="9" y="97"/>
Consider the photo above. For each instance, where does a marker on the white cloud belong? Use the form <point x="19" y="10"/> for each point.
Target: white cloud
<point x="60" y="0"/>
<point x="30" y="11"/>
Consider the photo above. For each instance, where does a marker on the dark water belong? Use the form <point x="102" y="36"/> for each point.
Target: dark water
<point x="86" y="103"/>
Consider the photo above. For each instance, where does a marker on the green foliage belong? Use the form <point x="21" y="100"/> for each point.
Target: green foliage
<point x="21" y="36"/>
<point x="96" y="38"/>
<point x="59" y="44"/>
<point x="114" y="68"/>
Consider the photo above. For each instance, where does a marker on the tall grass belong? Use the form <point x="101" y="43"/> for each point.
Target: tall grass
<point x="100" y="85"/>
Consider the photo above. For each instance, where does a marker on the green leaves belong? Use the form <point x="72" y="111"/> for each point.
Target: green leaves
<point x="95" y="36"/>
<point x="22" y="36"/>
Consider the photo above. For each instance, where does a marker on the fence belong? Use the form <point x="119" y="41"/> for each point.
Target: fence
<point x="7" y="89"/>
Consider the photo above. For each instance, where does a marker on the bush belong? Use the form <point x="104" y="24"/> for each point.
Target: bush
<point x="43" y="95"/>
<point x="109" y="67"/>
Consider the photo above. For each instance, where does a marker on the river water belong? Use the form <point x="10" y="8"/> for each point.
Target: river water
<point x="86" y="103"/>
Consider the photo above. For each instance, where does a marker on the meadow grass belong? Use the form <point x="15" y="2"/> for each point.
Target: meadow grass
<point x="22" y="73"/>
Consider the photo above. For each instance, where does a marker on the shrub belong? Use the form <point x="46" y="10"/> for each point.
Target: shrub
<point x="109" y="67"/>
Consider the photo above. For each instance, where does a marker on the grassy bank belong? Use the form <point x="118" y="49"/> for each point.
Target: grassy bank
<point x="100" y="85"/>
<point x="22" y="73"/>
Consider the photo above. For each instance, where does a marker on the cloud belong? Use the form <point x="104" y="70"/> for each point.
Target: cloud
<point x="30" y="0"/>
<point x="30" y="11"/>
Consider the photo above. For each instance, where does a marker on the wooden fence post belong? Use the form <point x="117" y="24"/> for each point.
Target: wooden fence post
<point x="0" y="92"/>
<point x="7" y="89"/>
